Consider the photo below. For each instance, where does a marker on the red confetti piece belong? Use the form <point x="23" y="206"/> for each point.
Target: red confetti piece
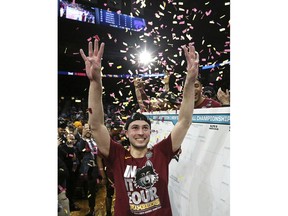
<point x="96" y="37"/>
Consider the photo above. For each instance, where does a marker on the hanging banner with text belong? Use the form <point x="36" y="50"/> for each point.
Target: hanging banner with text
<point x="199" y="182"/>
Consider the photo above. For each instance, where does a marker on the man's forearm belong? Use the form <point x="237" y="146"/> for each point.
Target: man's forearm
<point x="141" y="98"/>
<point x="95" y="106"/>
<point x="187" y="105"/>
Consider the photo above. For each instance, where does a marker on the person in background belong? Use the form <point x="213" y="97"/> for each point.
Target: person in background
<point x="91" y="168"/>
<point x="63" y="201"/>
<point x="165" y="100"/>
<point x="78" y="131"/>
<point x="202" y="101"/>
<point x="222" y="97"/>
<point x="63" y="175"/>
<point x="209" y="92"/>
<point x="61" y="131"/>
<point x="67" y="153"/>
<point x="140" y="173"/>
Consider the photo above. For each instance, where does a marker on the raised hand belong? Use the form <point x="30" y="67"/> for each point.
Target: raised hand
<point x="192" y="59"/>
<point x="93" y="60"/>
<point x="138" y="83"/>
<point x="223" y="97"/>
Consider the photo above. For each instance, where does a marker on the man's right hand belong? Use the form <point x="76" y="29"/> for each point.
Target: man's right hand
<point x="93" y="60"/>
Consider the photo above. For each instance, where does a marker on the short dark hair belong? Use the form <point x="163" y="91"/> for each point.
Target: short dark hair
<point x="62" y="123"/>
<point x="136" y="116"/>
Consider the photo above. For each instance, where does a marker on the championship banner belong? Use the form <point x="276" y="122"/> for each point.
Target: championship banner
<point x="199" y="180"/>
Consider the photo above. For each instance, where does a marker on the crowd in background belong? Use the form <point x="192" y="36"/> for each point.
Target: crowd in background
<point x="81" y="169"/>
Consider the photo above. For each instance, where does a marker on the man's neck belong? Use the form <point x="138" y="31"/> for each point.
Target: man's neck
<point x="138" y="153"/>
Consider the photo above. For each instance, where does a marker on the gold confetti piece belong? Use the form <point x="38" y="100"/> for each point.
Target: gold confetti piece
<point x="222" y="29"/>
<point x="119" y="67"/>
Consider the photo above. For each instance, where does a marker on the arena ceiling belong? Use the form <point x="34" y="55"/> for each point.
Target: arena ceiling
<point x="170" y="24"/>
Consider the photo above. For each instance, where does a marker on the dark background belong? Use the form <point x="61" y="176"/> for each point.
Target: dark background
<point x="206" y="18"/>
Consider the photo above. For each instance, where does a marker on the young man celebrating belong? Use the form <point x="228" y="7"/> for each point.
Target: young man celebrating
<point x="140" y="174"/>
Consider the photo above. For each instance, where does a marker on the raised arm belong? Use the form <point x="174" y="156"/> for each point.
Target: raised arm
<point x="165" y="81"/>
<point x="186" y="110"/>
<point x="142" y="98"/>
<point x="95" y="106"/>
<point x="140" y="93"/>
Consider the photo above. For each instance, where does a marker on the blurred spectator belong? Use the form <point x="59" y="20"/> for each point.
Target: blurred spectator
<point x="78" y="130"/>
<point x="200" y="100"/>
<point x="63" y="201"/>
<point x="91" y="168"/>
<point x="209" y="92"/>
<point x="67" y="153"/>
<point x="62" y="131"/>
<point x="166" y="100"/>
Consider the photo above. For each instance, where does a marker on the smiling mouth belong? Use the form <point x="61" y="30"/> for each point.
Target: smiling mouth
<point x="140" y="139"/>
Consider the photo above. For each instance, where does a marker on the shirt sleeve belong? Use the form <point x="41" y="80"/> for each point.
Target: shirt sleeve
<point x="115" y="152"/>
<point x="165" y="146"/>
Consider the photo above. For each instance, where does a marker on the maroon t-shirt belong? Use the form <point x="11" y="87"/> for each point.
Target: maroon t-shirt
<point x="141" y="183"/>
<point x="208" y="103"/>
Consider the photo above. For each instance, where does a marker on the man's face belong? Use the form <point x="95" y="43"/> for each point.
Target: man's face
<point x="86" y="132"/>
<point x="198" y="90"/>
<point x="138" y="134"/>
<point x="61" y="131"/>
<point x="71" y="139"/>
